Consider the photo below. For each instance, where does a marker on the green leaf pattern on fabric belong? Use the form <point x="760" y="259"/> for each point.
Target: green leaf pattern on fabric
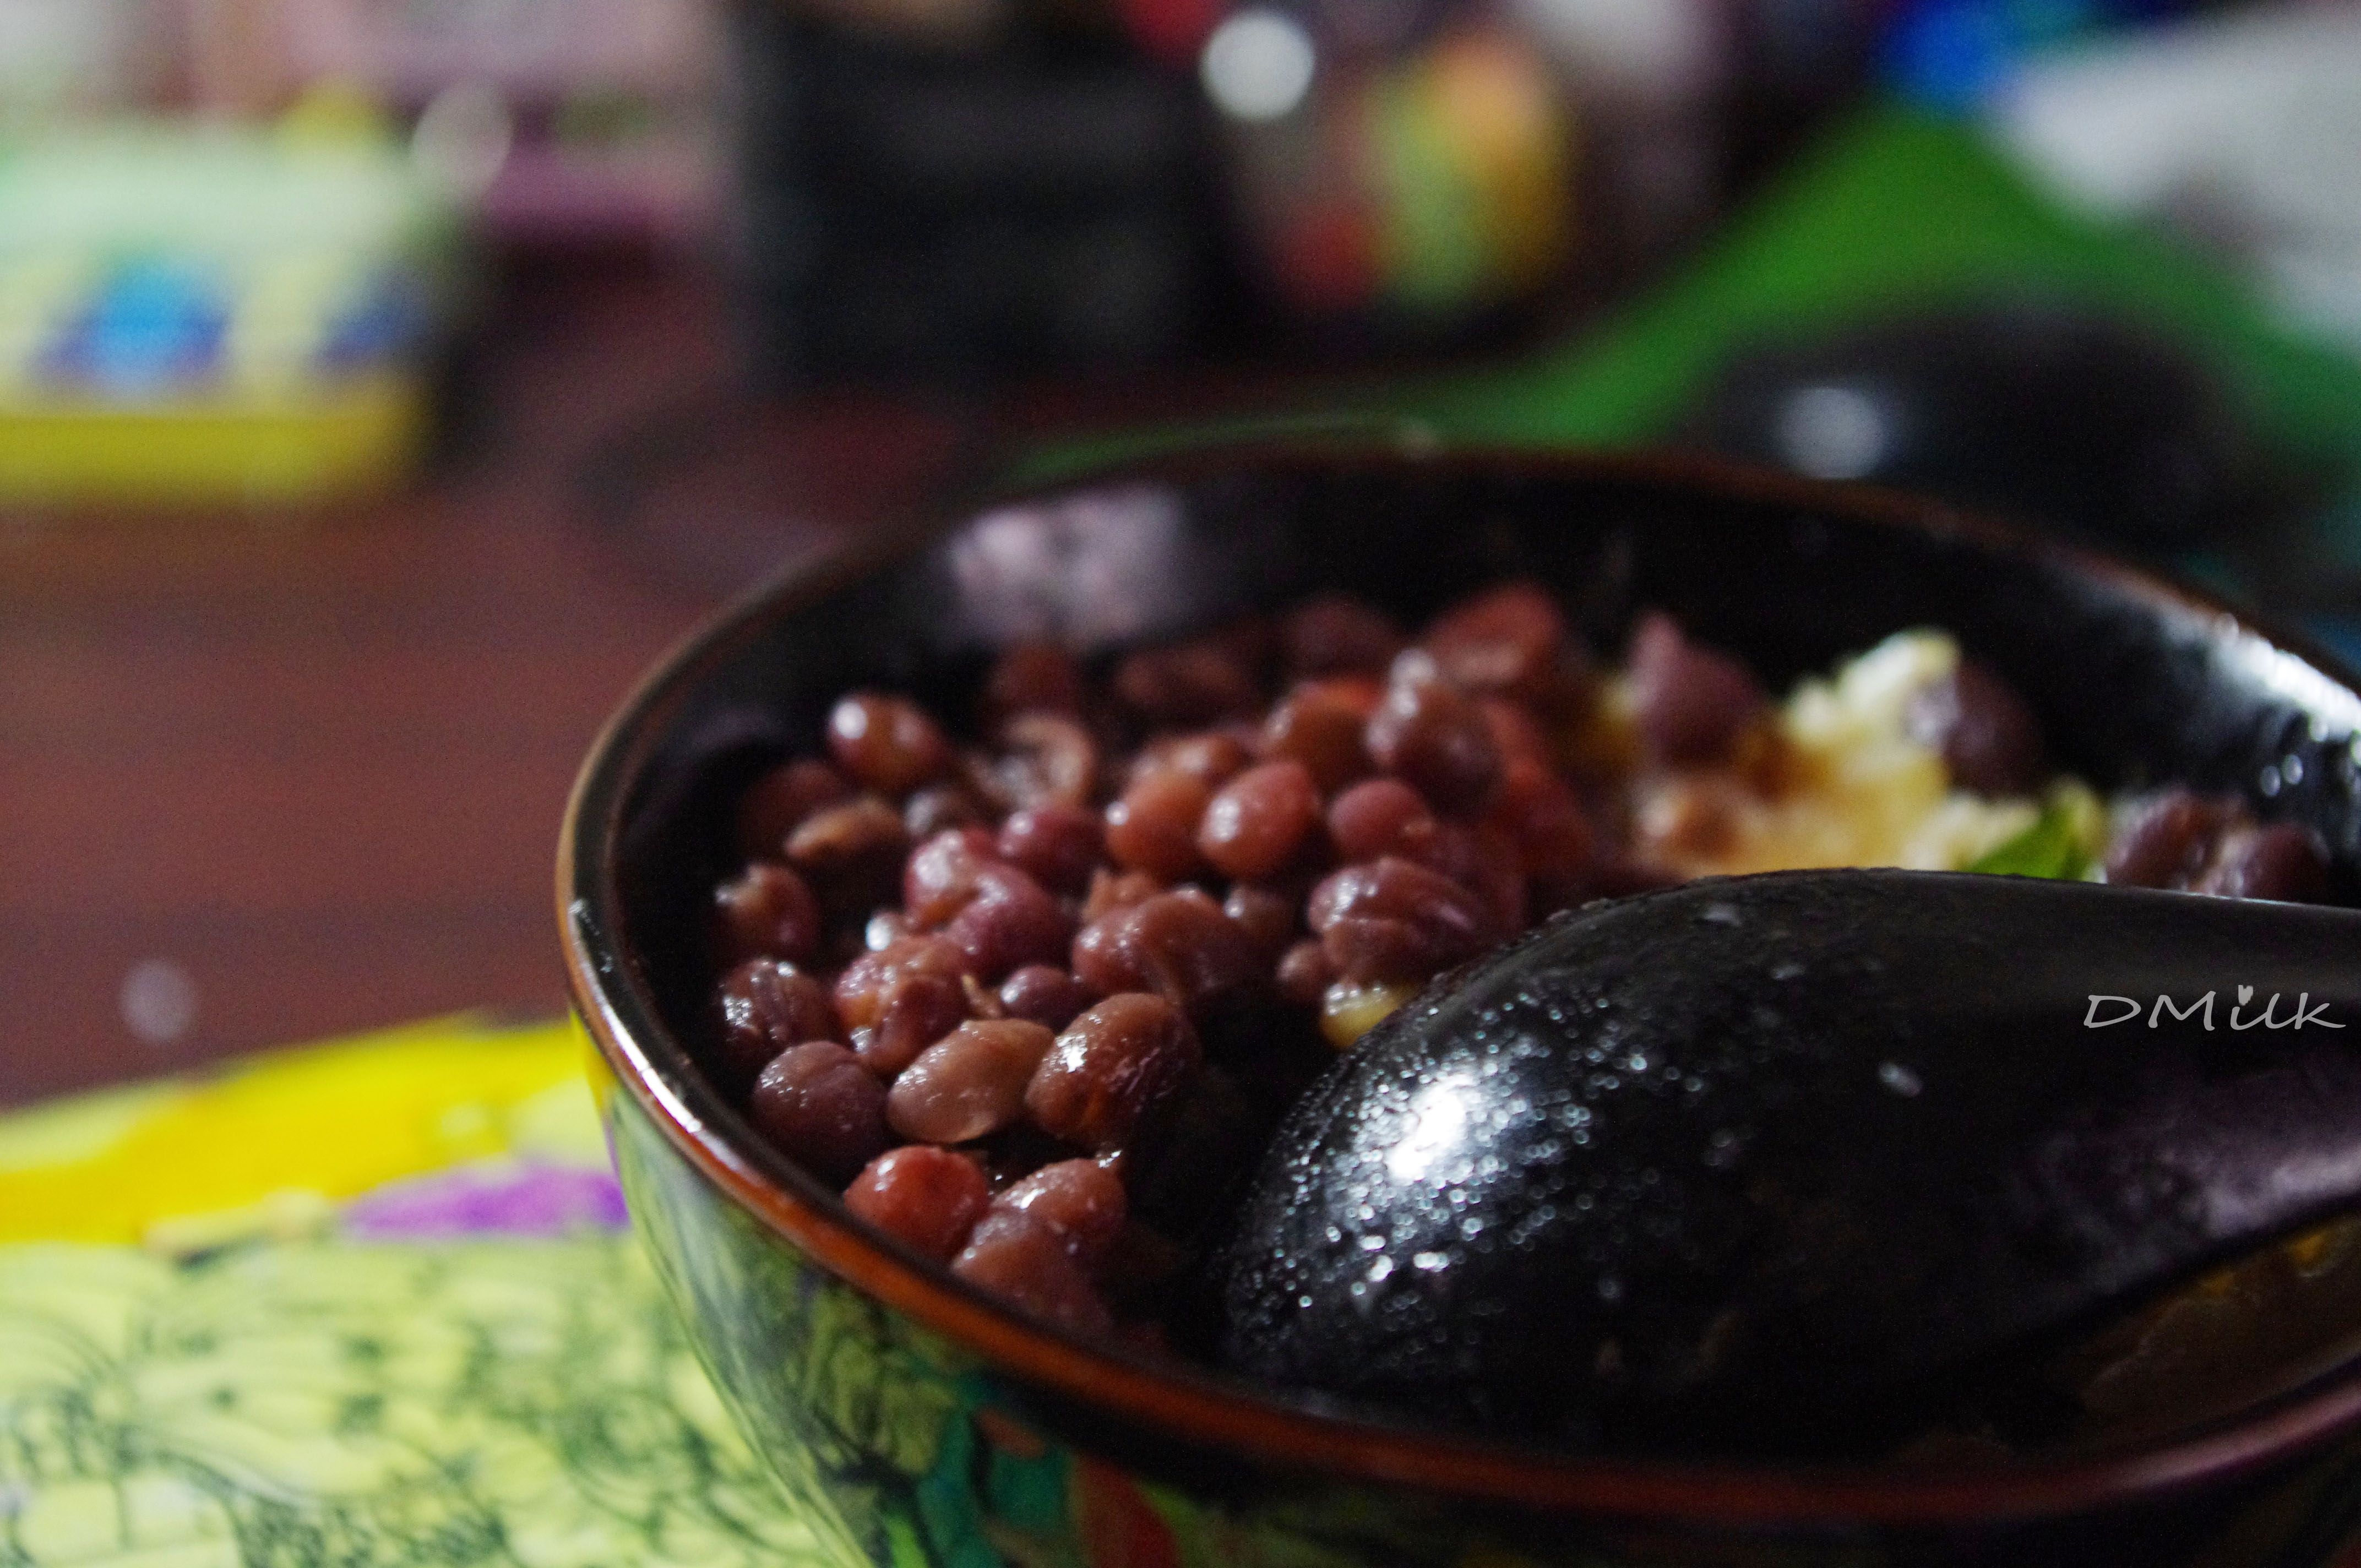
<point x="525" y="1404"/>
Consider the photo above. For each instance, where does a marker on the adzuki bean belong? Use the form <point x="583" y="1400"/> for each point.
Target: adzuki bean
<point x="1320" y="725"/>
<point x="1257" y="823"/>
<point x="1179" y="944"/>
<point x="901" y="999"/>
<point x="1989" y="739"/>
<point x="1153" y="828"/>
<point x="778" y="803"/>
<point x="927" y="1197"/>
<point x="1010" y="922"/>
<point x="818" y="1104"/>
<point x="767" y="912"/>
<point x="767" y="1005"/>
<point x="1110" y="1069"/>
<point x="1058" y="846"/>
<point x="1396" y="920"/>
<point x="968" y="1084"/>
<point x="888" y="744"/>
<point x="1047" y="759"/>
<point x="1507" y="639"/>
<point x="1430" y="734"/>
<point x="1079" y="1199"/>
<point x="1044" y="994"/>
<point x="1692" y="703"/>
<point x="1026" y="1262"/>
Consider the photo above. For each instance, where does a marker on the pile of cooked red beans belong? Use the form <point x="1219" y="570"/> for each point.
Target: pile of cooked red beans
<point x="1034" y="1003"/>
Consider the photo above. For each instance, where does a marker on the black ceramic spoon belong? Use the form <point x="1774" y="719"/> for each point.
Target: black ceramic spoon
<point x="1775" y="1162"/>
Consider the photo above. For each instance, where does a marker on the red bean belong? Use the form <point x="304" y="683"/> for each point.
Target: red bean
<point x="852" y="853"/>
<point x="1322" y="729"/>
<point x="900" y="999"/>
<point x="1305" y="973"/>
<point x="767" y="1007"/>
<point x="1536" y="811"/>
<point x="1482" y="859"/>
<point x="1507" y="639"/>
<point x="1080" y="1199"/>
<point x="1380" y="817"/>
<point x="776" y="804"/>
<point x="940" y="879"/>
<point x="887" y="744"/>
<point x="822" y="1108"/>
<point x="1058" y="846"/>
<point x="1044" y="994"/>
<point x="1012" y="920"/>
<point x="926" y="1197"/>
<point x="1430" y="735"/>
<point x="1153" y="828"/>
<point x="1025" y="1263"/>
<point x="2168" y="840"/>
<point x="1260" y="820"/>
<point x="2282" y="861"/>
<point x="1691" y="704"/>
<point x="1110" y="1069"/>
<point x="766" y="912"/>
<point x="1179" y="945"/>
<point x="1189" y="683"/>
<point x="938" y="808"/>
<point x="1335" y="634"/>
<point x="1395" y="920"/>
<point x="1212" y="757"/>
<point x="1496" y="876"/>
<point x="1046" y="759"/>
<point x="969" y="1083"/>
<point x="1033" y="675"/>
<point x="1515" y="730"/>
<point x="1989" y="739"/>
<point x="1111" y="890"/>
<point x="1266" y="917"/>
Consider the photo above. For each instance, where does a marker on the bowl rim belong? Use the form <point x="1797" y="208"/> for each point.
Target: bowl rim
<point x="1198" y="1405"/>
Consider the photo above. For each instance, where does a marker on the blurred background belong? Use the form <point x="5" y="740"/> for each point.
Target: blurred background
<point x="385" y="383"/>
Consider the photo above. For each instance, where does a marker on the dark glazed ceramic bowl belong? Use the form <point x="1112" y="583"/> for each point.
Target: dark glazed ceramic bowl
<point x="917" y="1422"/>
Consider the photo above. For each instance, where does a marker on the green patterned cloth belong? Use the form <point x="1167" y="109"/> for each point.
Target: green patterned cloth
<point x="338" y="1404"/>
<point x="425" y="1343"/>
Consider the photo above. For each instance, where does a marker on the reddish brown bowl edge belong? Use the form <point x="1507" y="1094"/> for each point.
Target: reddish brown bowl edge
<point x="1200" y="1407"/>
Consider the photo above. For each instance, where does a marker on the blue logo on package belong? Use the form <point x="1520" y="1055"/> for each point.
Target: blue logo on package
<point x="153" y="326"/>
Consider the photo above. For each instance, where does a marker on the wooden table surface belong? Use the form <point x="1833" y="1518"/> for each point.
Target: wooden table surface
<point x="267" y="777"/>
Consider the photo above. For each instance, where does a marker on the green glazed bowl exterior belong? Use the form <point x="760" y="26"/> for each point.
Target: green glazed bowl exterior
<point x="918" y="1424"/>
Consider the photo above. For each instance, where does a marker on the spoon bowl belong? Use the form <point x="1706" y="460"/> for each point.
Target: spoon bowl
<point x="1790" y="1161"/>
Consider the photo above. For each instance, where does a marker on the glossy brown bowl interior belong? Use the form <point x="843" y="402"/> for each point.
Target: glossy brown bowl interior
<point x="2136" y="681"/>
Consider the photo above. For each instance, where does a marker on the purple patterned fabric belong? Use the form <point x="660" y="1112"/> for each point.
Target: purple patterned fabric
<point x="500" y="1200"/>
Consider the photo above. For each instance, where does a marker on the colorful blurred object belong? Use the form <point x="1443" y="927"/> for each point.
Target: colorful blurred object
<point x="559" y="121"/>
<point x="1957" y="54"/>
<point x="2242" y="133"/>
<point x="215" y="315"/>
<point x="1429" y="186"/>
<point x="188" y="1164"/>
